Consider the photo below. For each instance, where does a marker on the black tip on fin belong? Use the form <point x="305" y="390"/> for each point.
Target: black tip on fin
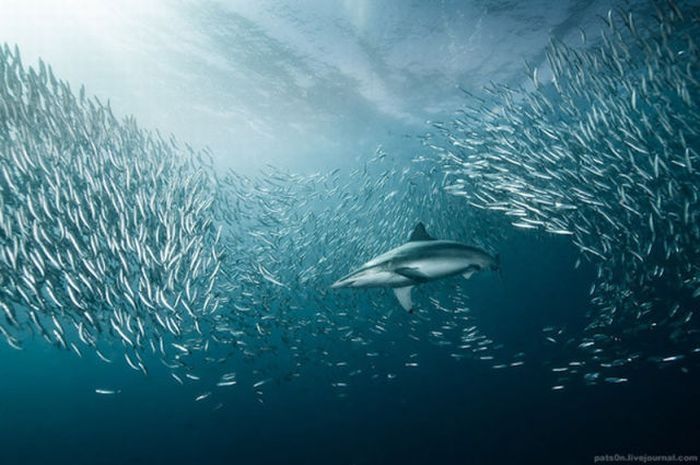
<point x="420" y="234"/>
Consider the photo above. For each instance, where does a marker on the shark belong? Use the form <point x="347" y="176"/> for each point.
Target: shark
<point x="420" y="260"/>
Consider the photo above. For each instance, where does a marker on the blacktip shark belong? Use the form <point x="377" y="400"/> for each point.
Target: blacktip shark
<point x="420" y="260"/>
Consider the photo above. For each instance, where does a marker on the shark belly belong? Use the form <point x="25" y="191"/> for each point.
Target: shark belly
<point x="374" y="277"/>
<point x="420" y="260"/>
<point x="429" y="269"/>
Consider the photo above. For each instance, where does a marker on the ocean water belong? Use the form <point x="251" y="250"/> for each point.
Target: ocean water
<point x="182" y="182"/>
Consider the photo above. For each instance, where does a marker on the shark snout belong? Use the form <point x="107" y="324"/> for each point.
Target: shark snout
<point x="344" y="282"/>
<point x="349" y="280"/>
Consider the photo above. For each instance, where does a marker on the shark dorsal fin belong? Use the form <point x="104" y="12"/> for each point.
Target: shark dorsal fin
<point x="420" y="234"/>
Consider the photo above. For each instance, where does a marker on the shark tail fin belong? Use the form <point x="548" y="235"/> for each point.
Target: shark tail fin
<point x="497" y="267"/>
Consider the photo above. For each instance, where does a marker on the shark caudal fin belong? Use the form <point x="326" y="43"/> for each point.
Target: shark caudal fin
<point x="404" y="296"/>
<point x="420" y="234"/>
<point x="497" y="267"/>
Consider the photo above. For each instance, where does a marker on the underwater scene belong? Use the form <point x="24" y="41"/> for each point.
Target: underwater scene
<point x="349" y="232"/>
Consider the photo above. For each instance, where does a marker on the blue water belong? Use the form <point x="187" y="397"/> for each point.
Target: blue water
<point x="311" y="87"/>
<point x="444" y="412"/>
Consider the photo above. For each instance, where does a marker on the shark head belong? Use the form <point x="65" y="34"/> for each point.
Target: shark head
<point x="346" y="281"/>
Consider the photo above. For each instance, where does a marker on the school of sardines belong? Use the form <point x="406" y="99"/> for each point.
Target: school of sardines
<point x="120" y="244"/>
<point x="603" y="150"/>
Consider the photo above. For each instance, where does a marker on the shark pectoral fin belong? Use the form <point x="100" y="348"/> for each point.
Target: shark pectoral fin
<point x="411" y="273"/>
<point x="404" y="296"/>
